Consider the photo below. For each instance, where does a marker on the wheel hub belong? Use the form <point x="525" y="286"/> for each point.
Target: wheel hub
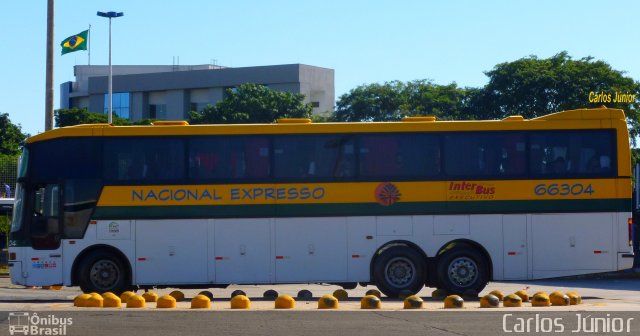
<point x="463" y="271"/>
<point x="400" y="271"/>
<point x="104" y="274"/>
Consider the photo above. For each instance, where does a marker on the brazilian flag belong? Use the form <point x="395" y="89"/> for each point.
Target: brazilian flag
<point x="75" y="42"/>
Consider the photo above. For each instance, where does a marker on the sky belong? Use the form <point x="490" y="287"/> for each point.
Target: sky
<point x="365" y="42"/>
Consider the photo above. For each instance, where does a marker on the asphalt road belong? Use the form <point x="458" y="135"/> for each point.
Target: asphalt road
<point x="323" y="323"/>
<point x="613" y="300"/>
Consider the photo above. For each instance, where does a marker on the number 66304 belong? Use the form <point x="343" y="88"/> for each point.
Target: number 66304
<point x="563" y="189"/>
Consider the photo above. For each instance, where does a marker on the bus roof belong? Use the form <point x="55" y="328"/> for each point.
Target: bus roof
<point x="590" y="119"/>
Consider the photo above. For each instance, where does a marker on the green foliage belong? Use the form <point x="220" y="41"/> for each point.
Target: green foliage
<point x="5" y="227"/>
<point x="8" y="172"/>
<point x="253" y="103"/>
<point x="394" y="100"/>
<point x="77" y="116"/>
<point x="5" y="224"/>
<point x="11" y="136"/>
<point x="530" y="87"/>
<point x="533" y="87"/>
<point x="316" y="118"/>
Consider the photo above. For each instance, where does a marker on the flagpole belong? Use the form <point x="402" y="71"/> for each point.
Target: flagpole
<point x="89" y="45"/>
<point x="48" y="109"/>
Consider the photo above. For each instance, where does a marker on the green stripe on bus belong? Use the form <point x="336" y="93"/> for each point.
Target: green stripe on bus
<point x="363" y="209"/>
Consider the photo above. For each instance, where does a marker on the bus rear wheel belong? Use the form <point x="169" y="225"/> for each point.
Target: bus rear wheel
<point x="462" y="269"/>
<point x="102" y="272"/>
<point x="399" y="269"/>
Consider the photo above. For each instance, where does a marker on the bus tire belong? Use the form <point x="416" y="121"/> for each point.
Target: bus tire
<point x="461" y="269"/>
<point x="101" y="272"/>
<point x="399" y="269"/>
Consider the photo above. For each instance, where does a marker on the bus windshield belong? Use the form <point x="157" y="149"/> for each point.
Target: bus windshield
<point x="16" y="222"/>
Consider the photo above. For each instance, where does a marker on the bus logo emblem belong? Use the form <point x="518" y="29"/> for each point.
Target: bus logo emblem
<point x="114" y="227"/>
<point x="387" y="193"/>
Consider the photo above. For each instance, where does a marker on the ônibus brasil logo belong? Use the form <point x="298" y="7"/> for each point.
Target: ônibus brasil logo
<point x="387" y="193"/>
<point x="23" y="323"/>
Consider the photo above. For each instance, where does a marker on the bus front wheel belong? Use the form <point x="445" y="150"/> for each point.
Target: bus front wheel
<point x="462" y="269"/>
<point x="398" y="269"/>
<point x="102" y="272"/>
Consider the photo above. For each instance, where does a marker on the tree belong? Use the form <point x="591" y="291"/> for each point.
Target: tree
<point x="79" y="116"/>
<point x="533" y="87"/>
<point x="396" y="99"/>
<point x="448" y="102"/>
<point x="11" y="136"/>
<point x="372" y="102"/>
<point x="5" y="227"/>
<point x="253" y="103"/>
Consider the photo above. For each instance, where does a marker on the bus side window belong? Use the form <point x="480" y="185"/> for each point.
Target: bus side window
<point x="256" y="157"/>
<point x="579" y="153"/>
<point x="379" y="156"/>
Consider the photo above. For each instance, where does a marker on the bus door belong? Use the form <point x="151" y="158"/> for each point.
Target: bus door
<point x="44" y="264"/>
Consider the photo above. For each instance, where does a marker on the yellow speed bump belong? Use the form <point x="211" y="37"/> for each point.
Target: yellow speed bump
<point x="136" y="301"/>
<point x="370" y="302"/>
<point x="111" y="301"/>
<point x="453" y="301"/>
<point x="80" y="300"/>
<point x="374" y="292"/>
<point x="150" y="296"/>
<point x="285" y="302"/>
<point x="574" y="298"/>
<point x="200" y="302"/>
<point x="94" y="301"/>
<point x="489" y="301"/>
<point x="498" y="294"/>
<point x="166" y="301"/>
<point x="328" y="302"/>
<point x="178" y="295"/>
<point x="413" y="302"/>
<point x="540" y="299"/>
<point x="124" y="297"/>
<point x="207" y="294"/>
<point x="439" y="294"/>
<point x="340" y="294"/>
<point x="558" y="298"/>
<point x="240" y="302"/>
<point x="524" y="296"/>
<point x="512" y="300"/>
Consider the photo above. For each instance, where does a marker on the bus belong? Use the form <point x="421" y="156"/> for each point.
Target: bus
<point x="398" y="205"/>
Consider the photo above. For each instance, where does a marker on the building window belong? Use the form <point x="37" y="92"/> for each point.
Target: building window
<point x="315" y="104"/>
<point x="120" y="104"/>
<point x="158" y="111"/>
<point x="197" y="107"/>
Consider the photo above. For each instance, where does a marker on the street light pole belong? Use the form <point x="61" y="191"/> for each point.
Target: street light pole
<point x="110" y="15"/>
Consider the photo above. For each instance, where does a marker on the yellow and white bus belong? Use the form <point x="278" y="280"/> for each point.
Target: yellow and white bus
<point x="447" y="204"/>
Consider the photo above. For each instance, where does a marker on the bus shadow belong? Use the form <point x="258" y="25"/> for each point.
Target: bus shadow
<point x="623" y="284"/>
